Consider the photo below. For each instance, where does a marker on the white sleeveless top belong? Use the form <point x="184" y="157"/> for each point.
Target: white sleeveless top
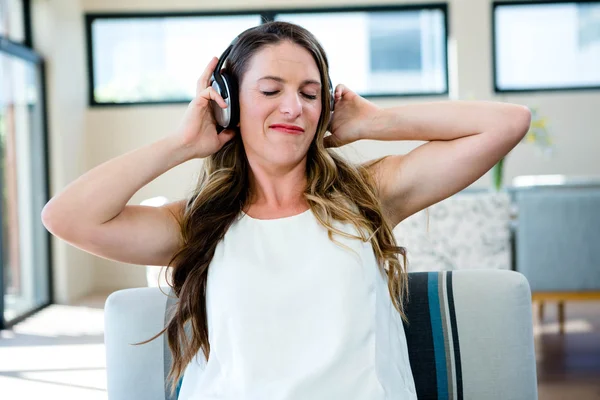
<point x="294" y="316"/>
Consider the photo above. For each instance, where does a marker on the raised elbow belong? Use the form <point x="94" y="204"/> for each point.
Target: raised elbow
<point x="48" y="218"/>
<point x="55" y="220"/>
<point x="521" y="120"/>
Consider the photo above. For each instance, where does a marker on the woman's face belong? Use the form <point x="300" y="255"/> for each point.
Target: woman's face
<point x="280" y="105"/>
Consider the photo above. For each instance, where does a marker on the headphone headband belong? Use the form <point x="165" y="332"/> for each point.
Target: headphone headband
<point x="217" y="72"/>
<point x="225" y="54"/>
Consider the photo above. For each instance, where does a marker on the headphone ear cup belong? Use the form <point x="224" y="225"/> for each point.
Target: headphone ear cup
<point x="331" y="92"/>
<point x="227" y="87"/>
<point x="233" y="101"/>
<point x="331" y="99"/>
<point x="221" y="115"/>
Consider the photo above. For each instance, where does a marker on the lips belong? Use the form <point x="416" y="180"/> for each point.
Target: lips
<point x="287" y="128"/>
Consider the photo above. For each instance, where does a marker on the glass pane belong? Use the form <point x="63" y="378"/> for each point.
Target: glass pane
<point x="11" y="20"/>
<point x="547" y="46"/>
<point x="23" y="181"/>
<point x="383" y="52"/>
<point x="158" y="59"/>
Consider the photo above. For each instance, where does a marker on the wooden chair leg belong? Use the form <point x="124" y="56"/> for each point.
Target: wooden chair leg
<point x="541" y="311"/>
<point x="561" y="317"/>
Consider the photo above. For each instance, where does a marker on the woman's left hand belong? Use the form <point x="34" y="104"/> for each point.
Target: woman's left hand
<point x="352" y="117"/>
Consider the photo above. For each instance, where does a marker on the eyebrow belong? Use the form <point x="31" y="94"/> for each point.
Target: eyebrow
<point x="281" y="80"/>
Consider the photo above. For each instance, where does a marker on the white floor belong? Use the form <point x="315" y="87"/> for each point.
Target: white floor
<point x="56" y="354"/>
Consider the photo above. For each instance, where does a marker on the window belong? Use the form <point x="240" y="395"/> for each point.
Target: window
<point x="546" y="46"/>
<point x="382" y="53"/>
<point x="377" y="51"/>
<point x="156" y="59"/>
<point x="24" y="242"/>
<point x="12" y="20"/>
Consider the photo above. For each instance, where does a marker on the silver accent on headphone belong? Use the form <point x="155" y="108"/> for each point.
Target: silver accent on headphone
<point x="222" y="115"/>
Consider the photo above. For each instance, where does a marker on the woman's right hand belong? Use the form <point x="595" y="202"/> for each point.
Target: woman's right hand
<point x="198" y="129"/>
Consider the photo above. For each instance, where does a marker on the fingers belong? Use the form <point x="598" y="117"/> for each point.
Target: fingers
<point x="211" y="94"/>
<point x="204" y="80"/>
<point x="339" y="92"/>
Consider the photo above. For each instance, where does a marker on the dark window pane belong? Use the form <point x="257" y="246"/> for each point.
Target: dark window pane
<point x="394" y="47"/>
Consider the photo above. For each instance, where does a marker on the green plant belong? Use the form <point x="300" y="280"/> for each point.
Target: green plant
<point x="537" y="135"/>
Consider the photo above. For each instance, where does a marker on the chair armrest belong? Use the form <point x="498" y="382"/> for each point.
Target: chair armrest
<point x="135" y="371"/>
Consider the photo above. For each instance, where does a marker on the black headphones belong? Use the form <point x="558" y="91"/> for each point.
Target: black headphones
<point x="227" y="87"/>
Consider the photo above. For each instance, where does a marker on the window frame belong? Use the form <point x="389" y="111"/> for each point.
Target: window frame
<point x="499" y="3"/>
<point x="25" y="53"/>
<point x="27" y="32"/>
<point x="266" y="15"/>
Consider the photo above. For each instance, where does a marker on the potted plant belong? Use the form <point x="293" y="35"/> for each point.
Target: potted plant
<point x="538" y="135"/>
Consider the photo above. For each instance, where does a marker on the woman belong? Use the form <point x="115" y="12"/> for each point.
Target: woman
<point x="283" y="259"/>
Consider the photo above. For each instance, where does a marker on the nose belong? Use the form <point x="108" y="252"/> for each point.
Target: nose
<point x="291" y="105"/>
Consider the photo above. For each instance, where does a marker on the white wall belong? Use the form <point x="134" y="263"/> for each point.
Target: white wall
<point x="82" y="138"/>
<point x="58" y="36"/>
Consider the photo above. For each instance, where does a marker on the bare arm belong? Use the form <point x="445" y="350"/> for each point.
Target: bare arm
<point x="92" y="212"/>
<point x="464" y="140"/>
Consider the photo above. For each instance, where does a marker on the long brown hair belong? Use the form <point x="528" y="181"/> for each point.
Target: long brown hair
<point x="336" y="191"/>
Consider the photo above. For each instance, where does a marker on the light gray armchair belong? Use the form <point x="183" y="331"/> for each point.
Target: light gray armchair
<point x="470" y="336"/>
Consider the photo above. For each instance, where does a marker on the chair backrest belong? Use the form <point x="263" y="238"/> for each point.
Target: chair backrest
<point x="470" y="336"/>
<point x="557" y="236"/>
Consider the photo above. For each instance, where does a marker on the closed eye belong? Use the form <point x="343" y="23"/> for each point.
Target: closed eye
<point x="273" y="93"/>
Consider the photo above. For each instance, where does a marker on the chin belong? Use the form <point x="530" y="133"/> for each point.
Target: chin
<point x="284" y="156"/>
